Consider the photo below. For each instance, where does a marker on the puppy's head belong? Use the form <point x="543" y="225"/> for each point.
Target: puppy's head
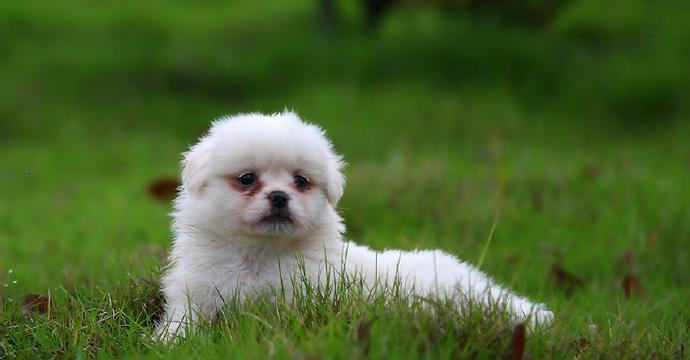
<point x="261" y="175"/>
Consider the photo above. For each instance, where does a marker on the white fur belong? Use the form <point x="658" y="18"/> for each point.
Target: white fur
<point x="222" y="250"/>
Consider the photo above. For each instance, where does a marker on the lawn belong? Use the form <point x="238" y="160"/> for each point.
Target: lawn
<point x="570" y="139"/>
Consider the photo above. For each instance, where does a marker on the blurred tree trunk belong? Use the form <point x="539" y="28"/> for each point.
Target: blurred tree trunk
<point x="375" y="9"/>
<point x="328" y="16"/>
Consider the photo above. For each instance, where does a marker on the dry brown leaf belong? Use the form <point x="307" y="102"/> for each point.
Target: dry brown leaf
<point x="564" y="279"/>
<point x="164" y="189"/>
<point x="632" y="285"/>
<point x="36" y="304"/>
<point x="626" y="262"/>
<point x="628" y="258"/>
<point x="652" y="239"/>
<point x="579" y="346"/>
<point x="591" y="172"/>
<point x="363" y="331"/>
<point x="517" y="345"/>
<point x="582" y="344"/>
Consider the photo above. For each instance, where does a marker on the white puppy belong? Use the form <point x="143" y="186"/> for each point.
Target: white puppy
<point x="258" y="201"/>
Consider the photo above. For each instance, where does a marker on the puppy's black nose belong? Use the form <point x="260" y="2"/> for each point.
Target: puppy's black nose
<point x="278" y="199"/>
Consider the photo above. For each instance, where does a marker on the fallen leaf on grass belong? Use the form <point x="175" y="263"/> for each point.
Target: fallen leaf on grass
<point x="579" y="345"/>
<point x="632" y="285"/>
<point x="626" y="262"/>
<point x="564" y="279"/>
<point x="36" y="304"/>
<point x="591" y="172"/>
<point x="628" y="258"/>
<point x="363" y="331"/>
<point x="582" y="344"/>
<point x="517" y="345"/>
<point x="592" y="341"/>
<point x="652" y="239"/>
<point x="164" y="189"/>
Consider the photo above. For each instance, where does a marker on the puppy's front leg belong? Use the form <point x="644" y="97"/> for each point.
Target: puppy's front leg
<point x="179" y="317"/>
<point x="174" y="322"/>
<point x="184" y="309"/>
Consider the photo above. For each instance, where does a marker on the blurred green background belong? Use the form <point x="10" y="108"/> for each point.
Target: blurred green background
<point x="567" y="117"/>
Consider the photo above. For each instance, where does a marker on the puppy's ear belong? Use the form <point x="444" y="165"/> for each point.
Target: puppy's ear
<point x="195" y="167"/>
<point x="336" y="179"/>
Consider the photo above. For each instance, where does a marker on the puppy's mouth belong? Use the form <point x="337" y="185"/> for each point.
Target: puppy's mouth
<point x="276" y="219"/>
<point x="276" y="223"/>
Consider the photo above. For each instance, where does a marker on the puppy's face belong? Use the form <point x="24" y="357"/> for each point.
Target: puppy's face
<point x="262" y="176"/>
<point x="269" y="200"/>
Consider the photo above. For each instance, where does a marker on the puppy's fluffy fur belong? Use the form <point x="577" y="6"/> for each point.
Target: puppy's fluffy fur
<point x="258" y="201"/>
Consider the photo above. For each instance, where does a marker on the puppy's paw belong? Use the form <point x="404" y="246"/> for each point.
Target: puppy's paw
<point x="171" y="332"/>
<point x="535" y="315"/>
<point x="540" y="317"/>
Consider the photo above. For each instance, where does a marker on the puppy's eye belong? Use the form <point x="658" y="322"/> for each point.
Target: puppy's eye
<point x="247" y="179"/>
<point x="301" y="182"/>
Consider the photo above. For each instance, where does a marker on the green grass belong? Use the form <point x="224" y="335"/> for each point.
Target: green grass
<point x="576" y="133"/>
